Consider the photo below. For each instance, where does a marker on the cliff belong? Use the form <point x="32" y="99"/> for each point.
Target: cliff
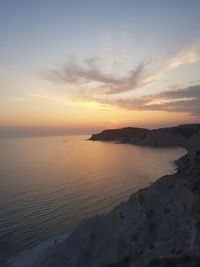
<point x="157" y="226"/>
<point x="173" y="136"/>
<point x="125" y="135"/>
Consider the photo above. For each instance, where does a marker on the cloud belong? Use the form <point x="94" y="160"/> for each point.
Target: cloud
<point x="185" y="56"/>
<point x="181" y="100"/>
<point x="188" y="55"/>
<point x="76" y="75"/>
<point x="184" y="100"/>
<point x="90" y="76"/>
<point x="189" y="92"/>
<point x="89" y="83"/>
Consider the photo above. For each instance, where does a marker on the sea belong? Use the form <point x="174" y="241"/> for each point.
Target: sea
<point x="49" y="184"/>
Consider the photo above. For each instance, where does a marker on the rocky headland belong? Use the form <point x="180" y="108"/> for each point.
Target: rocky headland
<point x="158" y="226"/>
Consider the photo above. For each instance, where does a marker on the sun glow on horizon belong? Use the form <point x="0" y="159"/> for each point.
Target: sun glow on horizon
<point x="79" y="71"/>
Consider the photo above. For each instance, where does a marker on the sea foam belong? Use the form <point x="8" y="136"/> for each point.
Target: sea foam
<point x="33" y="256"/>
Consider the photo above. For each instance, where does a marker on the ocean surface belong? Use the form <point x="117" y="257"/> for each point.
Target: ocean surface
<point x="48" y="184"/>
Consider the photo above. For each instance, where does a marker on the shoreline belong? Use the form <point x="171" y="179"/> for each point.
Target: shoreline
<point x="32" y="255"/>
<point x="41" y="250"/>
<point x="155" y="225"/>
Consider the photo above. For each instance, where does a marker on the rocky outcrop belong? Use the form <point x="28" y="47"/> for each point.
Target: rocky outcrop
<point x="173" y="136"/>
<point x="158" y="226"/>
<point x="125" y="135"/>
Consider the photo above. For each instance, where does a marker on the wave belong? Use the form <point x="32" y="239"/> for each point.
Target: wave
<point x="32" y="257"/>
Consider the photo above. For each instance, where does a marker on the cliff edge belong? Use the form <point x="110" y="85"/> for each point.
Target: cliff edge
<point x="158" y="226"/>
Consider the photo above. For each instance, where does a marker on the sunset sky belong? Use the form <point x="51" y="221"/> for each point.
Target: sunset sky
<point x="82" y="66"/>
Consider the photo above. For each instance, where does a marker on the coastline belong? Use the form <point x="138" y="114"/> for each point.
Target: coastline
<point x="156" y="225"/>
<point x="34" y="254"/>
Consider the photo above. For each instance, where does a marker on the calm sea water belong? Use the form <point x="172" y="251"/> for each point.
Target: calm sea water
<point x="47" y="186"/>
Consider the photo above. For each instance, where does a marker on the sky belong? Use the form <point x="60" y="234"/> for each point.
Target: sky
<point x="81" y="66"/>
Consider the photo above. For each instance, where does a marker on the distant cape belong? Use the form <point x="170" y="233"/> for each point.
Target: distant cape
<point x="158" y="226"/>
<point x="172" y="136"/>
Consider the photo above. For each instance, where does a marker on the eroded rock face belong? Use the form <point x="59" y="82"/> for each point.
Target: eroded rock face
<point x="159" y="222"/>
<point x="158" y="225"/>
